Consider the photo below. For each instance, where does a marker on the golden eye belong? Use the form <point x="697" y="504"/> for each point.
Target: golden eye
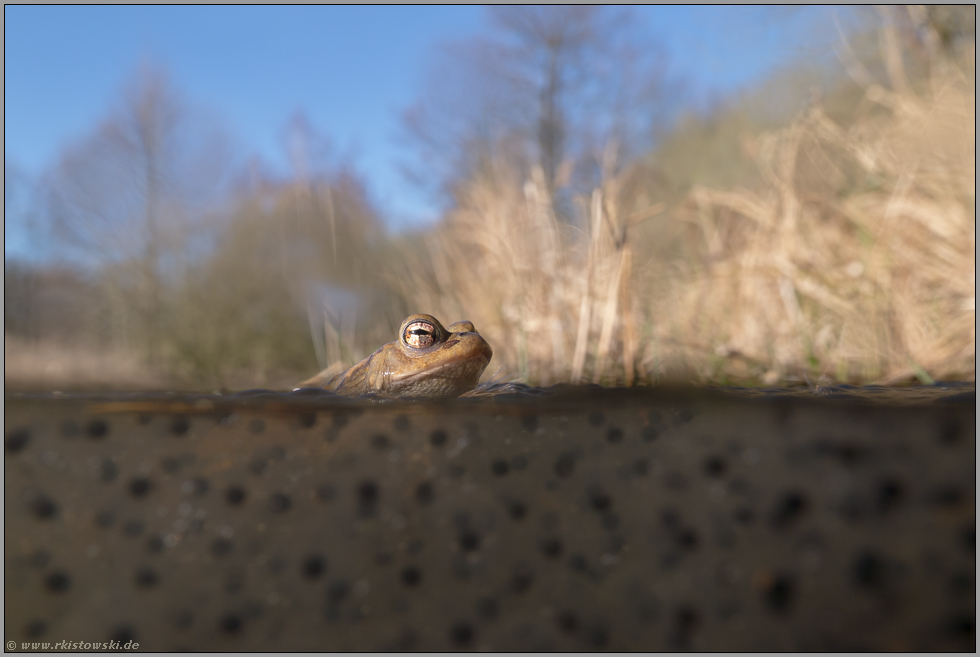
<point x="419" y="335"/>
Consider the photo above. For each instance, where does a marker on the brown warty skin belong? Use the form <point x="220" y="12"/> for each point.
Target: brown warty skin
<point x="427" y="360"/>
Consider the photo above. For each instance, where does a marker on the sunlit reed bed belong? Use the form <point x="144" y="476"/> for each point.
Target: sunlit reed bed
<point x="856" y="261"/>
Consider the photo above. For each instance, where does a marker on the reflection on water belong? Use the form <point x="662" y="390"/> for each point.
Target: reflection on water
<point x="945" y="392"/>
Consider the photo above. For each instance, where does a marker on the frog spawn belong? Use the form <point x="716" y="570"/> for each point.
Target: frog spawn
<point x="425" y="361"/>
<point x="647" y="526"/>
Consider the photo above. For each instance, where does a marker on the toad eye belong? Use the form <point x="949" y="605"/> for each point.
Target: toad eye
<point x="419" y="335"/>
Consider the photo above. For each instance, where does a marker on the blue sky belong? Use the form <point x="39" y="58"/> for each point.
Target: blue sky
<point x="351" y="70"/>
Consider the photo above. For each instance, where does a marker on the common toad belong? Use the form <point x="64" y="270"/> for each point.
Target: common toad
<point x="427" y="360"/>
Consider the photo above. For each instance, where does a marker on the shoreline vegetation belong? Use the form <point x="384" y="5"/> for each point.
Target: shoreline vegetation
<point x="838" y="244"/>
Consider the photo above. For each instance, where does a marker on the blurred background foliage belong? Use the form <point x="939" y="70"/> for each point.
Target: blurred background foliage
<point x="820" y="224"/>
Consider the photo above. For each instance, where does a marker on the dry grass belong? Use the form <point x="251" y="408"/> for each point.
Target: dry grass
<point x="56" y="365"/>
<point x="855" y="261"/>
<point x="859" y="260"/>
<point x="46" y="365"/>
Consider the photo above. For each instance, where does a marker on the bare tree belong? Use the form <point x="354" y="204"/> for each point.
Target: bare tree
<point x="123" y="198"/>
<point x="551" y="84"/>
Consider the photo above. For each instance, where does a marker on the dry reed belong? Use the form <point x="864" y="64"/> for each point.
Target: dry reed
<point x="858" y="262"/>
<point x="855" y="261"/>
<point x="555" y="302"/>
